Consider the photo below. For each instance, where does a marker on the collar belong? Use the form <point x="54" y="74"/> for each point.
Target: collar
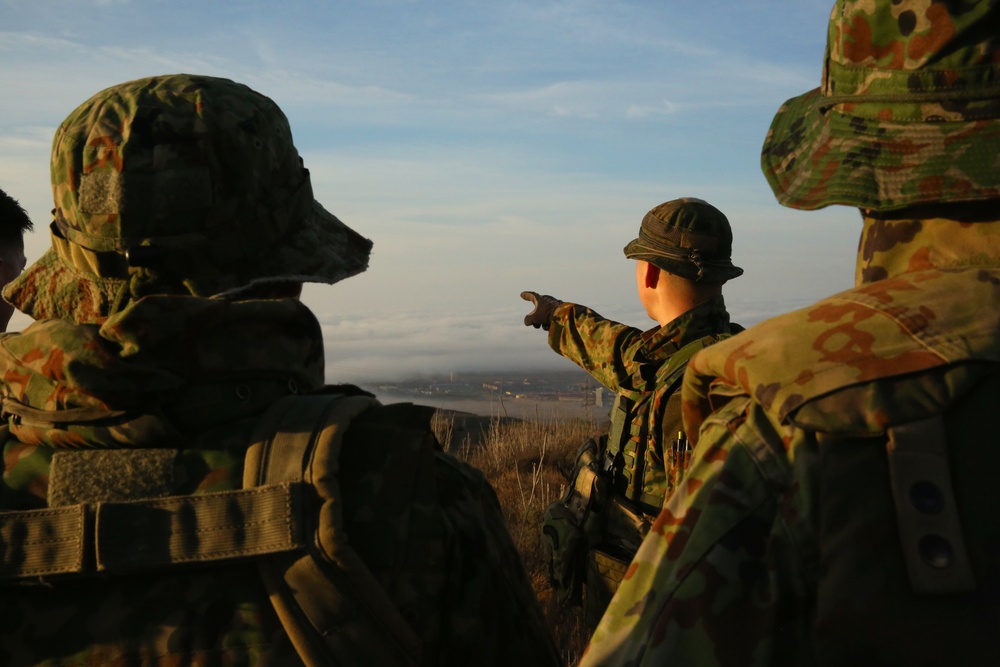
<point x="707" y="318"/>
<point x="896" y="244"/>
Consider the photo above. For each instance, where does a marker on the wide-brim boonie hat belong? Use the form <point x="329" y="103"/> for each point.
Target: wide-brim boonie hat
<point x="182" y="180"/>
<point x="687" y="237"/>
<point x="908" y="111"/>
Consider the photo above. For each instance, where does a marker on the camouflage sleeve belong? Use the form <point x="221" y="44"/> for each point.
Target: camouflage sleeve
<point x="605" y="349"/>
<point x="711" y="583"/>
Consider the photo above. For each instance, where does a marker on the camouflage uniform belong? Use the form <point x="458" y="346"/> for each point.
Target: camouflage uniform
<point x="176" y="197"/>
<point x="841" y="507"/>
<point x="636" y="366"/>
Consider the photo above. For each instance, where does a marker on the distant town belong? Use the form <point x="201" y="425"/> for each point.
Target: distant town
<point x="543" y="395"/>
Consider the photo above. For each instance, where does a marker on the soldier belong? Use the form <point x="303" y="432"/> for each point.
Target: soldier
<point x="682" y="258"/>
<point x="14" y="222"/>
<point x="150" y="513"/>
<point x="841" y="507"/>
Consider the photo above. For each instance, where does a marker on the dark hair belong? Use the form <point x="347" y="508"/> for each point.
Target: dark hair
<point x="14" y="221"/>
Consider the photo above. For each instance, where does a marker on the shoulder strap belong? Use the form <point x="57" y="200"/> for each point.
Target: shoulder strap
<point x="330" y="603"/>
<point x="679" y="361"/>
<point x="675" y="371"/>
<point x="115" y="527"/>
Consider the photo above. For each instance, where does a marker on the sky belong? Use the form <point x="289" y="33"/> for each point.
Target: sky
<point x="485" y="147"/>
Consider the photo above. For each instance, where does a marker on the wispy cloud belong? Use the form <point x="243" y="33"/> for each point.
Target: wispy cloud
<point x="591" y="100"/>
<point x="665" y="109"/>
<point x="13" y="42"/>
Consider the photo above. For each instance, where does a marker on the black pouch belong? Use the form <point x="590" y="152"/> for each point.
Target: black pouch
<point x="565" y="547"/>
<point x="572" y="523"/>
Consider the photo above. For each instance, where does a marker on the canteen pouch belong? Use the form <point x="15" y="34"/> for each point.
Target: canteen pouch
<point x="572" y="523"/>
<point x="564" y="547"/>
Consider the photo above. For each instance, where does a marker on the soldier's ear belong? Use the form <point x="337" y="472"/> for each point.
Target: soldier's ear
<point x="652" y="278"/>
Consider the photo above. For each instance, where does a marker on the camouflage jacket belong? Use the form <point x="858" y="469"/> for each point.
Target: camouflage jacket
<point x="636" y="366"/>
<point x="841" y="506"/>
<point x="194" y="375"/>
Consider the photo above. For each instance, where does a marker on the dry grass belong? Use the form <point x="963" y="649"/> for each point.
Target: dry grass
<point x="526" y="462"/>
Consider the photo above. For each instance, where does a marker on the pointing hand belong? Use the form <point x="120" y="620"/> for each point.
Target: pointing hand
<point x="541" y="316"/>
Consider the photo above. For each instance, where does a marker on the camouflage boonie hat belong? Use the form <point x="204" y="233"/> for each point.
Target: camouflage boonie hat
<point x="907" y="113"/>
<point x="687" y="237"/>
<point x="179" y="184"/>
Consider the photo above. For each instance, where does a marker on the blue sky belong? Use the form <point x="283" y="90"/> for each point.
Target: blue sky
<point x="486" y="148"/>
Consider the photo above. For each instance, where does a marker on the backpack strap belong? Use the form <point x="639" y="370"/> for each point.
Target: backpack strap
<point x="120" y="523"/>
<point x="676" y="447"/>
<point x="672" y="378"/>
<point x="679" y="360"/>
<point x="929" y="527"/>
<point x="328" y="600"/>
<point x="675" y="373"/>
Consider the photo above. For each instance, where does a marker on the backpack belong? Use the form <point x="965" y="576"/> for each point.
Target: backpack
<point x="333" y="485"/>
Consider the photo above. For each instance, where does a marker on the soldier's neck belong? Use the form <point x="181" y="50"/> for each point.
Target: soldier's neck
<point x="939" y="237"/>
